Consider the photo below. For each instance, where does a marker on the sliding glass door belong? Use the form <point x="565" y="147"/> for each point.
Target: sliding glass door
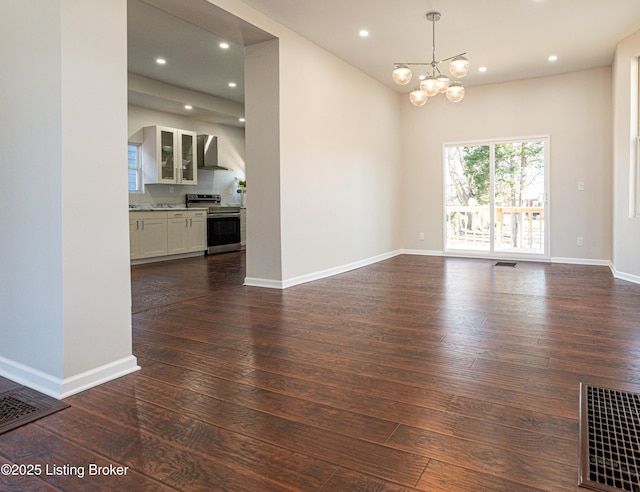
<point x="495" y="195"/>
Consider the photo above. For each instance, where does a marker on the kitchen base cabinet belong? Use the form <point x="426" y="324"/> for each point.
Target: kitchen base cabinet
<point x="148" y="234"/>
<point x="177" y="233"/>
<point x="243" y="228"/>
<point x="186" y="232"/>
<point x="198" y="230"/>
<point x="159" y="235"/>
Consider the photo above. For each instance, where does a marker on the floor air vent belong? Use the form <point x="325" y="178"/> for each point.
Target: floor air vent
<point x="609" y="439"/>
<point x="506" y="263"/>
<point x="23" y="405"/>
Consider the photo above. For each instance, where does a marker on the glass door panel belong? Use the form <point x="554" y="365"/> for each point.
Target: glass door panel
<point x="467" y="198"/>
<point x="519" y="197"/>
<point x="167" y="149"/>
<point x="187" y="141"/>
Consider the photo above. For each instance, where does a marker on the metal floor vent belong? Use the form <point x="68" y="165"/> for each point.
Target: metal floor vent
<point x="506" y="263"/>
<point x="23" y="405"/>
<point x="609" y="439"/>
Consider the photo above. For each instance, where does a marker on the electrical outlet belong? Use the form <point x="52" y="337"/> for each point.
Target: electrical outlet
<point x="580" y="185"/>
<point x="171" y="189"/>
<point x="580" y="241"/>
<point x="421" y="236"/>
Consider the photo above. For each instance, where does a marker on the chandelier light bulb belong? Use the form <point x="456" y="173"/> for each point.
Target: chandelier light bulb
<point x="429" y="86"/>
<point x="443" y="83"/>
<point x="417" y="97"/>
<point x="402" y="75"/>
<point x="459" y="66"/>
<point x="455" y="92"/>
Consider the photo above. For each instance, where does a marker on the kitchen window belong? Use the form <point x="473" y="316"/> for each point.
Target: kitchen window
<point x="134" y="167"/>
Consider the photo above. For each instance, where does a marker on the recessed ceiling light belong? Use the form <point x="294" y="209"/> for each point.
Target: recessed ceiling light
<point x="482" y="69"/>
<point x="241" y="120"/>
<point x="553" y="58"/>
<point x="161" y="61"/>
<point x="224" y="46"/>
<point x="363" y="33"/>
<point x="422" y="77"/>
<point x="188" y="106"/>
<point x="232" y="84"/>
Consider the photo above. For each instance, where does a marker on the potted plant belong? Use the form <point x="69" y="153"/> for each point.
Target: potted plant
<point x="242" y="189"/>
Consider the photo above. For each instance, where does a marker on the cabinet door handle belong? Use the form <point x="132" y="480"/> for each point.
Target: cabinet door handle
<point x="137" y="225"/>
<point x="186" y="222"/>
<point x="142" y="224"/>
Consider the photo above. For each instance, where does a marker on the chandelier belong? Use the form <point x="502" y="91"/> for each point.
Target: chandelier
<point x="435" y="82"/>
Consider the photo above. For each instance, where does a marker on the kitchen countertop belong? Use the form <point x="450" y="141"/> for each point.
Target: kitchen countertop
<point x="161" y="208"/>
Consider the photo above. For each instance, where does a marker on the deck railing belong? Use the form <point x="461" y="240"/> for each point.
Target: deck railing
<point x="517" y="227"/>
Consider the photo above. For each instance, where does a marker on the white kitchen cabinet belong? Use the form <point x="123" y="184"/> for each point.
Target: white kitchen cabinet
<point x="186" y="231"/>
<point x="198" y="230"/>
<point x="169" y="156"/>
<point x="177" y="233"/>
<point x="243" y="228"/>
<point x="147" y="234"/>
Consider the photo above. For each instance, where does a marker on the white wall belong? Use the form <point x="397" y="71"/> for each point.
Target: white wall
<point x="340" y="162"/>
<point x="339" y="172"/>
<point x="31" y="190"/>
<point x="231" y="154"/>
<point x="626" y="236"/>
<point x="262" y="110"/>
<point x="65" y="293"/>
<point x="573" y="109"/>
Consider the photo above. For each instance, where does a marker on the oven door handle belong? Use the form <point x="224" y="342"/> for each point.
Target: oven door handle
<point x="222" y="216"/>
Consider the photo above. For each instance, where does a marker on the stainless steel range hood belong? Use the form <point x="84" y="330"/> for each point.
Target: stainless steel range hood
<point x="208" y="153"/>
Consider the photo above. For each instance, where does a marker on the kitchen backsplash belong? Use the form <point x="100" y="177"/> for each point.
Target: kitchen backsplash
<point x="220" y="182"/>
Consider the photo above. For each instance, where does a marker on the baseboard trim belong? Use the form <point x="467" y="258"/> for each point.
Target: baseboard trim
<point x="421" y="252"/>
<point x="62" y="388"/>
<point x="156" y="259"/>
<point x="283" y="284"/>
<point x="580" y="261"/>
<point x="303" y="279"/>
<point x="263" y="282"/>
<point x="624" y="276"/>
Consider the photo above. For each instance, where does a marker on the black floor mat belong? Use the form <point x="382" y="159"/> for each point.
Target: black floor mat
<point x="23" y="405"/>
<point x="609" y="439"/>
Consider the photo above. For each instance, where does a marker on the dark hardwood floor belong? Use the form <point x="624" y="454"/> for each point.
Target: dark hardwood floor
<point x="416" y="373"/>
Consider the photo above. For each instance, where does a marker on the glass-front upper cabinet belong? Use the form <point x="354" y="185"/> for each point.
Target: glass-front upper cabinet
<point x="187" y="152"/>
<point x="169" y="156"/>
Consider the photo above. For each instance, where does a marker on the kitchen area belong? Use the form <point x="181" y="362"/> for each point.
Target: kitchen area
<point x="187" y="176"/>
<point x="173" y="213"/>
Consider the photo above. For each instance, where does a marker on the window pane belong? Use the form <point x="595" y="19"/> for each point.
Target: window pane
<point x="133" y="180"/>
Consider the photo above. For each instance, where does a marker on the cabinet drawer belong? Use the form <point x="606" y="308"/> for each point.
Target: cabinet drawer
<point x="178" y="214"/>
<point x="147" y="215"/>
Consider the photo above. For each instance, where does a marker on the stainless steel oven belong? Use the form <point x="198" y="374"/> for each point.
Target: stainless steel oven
<point x="223" y="223"/>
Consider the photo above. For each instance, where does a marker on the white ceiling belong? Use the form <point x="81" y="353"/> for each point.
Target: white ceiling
<point x="512" y="38"/>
